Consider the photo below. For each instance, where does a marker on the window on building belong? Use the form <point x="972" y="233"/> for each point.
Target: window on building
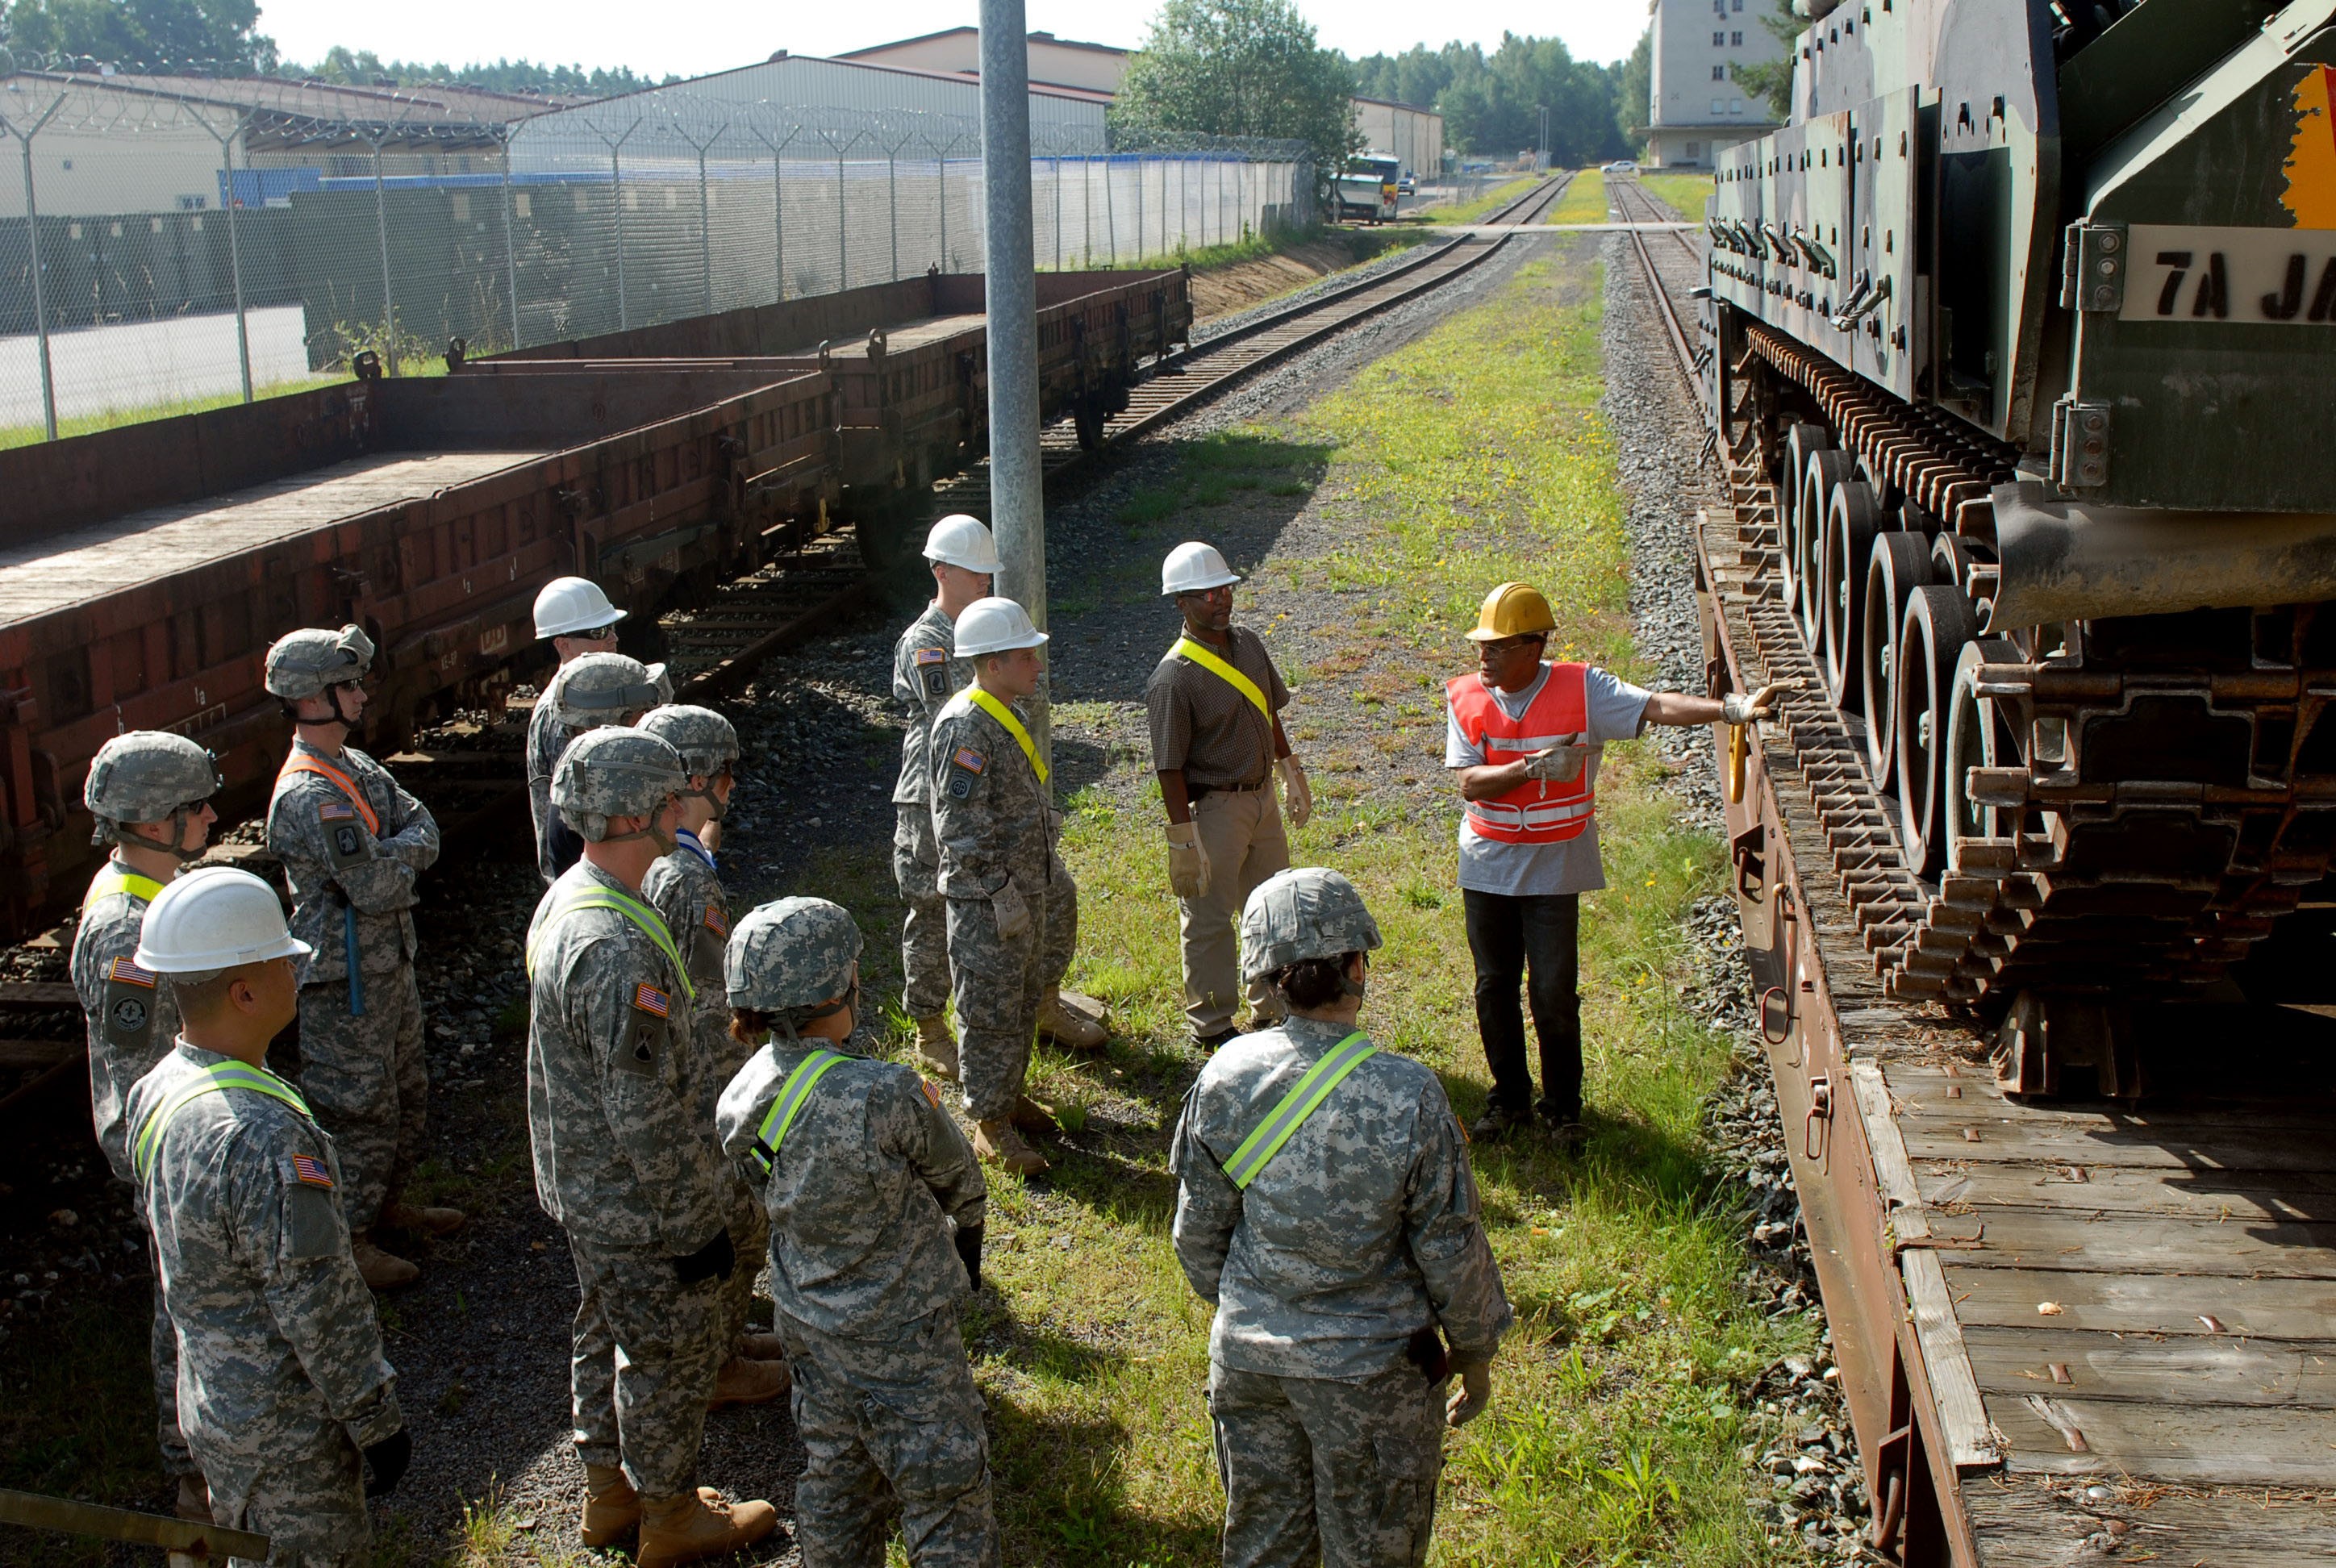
<point x="1694" y="150"/>
<point x="1720" y="40"/>
<point x="1739" y="5"/>
<point x="1735" y="39"/>
<point x="1720" y="74"/>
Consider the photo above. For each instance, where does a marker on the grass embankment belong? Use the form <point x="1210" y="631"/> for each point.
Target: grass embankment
<point x="1683" y="193"/>
<point x="1584" y="200"/>
<point x="1475" y="455"/>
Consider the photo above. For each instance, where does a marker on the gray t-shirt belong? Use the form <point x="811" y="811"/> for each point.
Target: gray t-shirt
<point x="1616" y="711"/>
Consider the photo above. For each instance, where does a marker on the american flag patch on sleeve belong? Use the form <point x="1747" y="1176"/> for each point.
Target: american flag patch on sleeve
<point x="129" y="974"/>
<point x="650" y="999"/>
<point x="311" y="1171"/>
<point x="931" y="656"/>
<point x="718" y="921"/>
<point x="336" y="811"/>
<point x="969" y="759"/>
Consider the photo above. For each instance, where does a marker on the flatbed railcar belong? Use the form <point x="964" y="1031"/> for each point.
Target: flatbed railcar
<point x="145" y="569"/>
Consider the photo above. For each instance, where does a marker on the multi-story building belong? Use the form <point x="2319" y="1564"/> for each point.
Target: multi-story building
<point x="1698" y="108"/>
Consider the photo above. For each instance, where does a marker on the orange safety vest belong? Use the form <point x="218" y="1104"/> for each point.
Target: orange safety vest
<point x="299" y="762"/>
<point x="1538" y="811"/>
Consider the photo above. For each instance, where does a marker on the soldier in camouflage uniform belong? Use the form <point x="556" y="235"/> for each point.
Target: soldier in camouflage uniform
<point x="1334" y="1246"/>
<point x="149" y="793"/>
<point x="288" y="1404"/>
<point x="685" y="890"/>
<point x="625" y="1159"/>
<point x="352" y="842"/>
<point x="995" y="822"/>
<point x="924" y="677"/>
<point x="863" y="1175"/>
<point x="586" y="692"/>
<point x="575" y="617"/>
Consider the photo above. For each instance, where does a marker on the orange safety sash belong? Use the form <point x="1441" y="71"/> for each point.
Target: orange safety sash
<point x="1539" y="810"/>
<point x="300" y="762"/>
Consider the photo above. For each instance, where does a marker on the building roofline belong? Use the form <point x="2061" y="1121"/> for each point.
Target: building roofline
<point x="854" y="54"/>
<point x="1037" y="89"/>
<point x="1399" y="103"/>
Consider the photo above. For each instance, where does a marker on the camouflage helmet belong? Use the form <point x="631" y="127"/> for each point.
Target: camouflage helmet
<point x="705" y="740"/>
<point x="600" y="688"/>
<point x="795" y="954"/>
<point x="1306" y="912"/>
<point x="146" y="777"/>
<point x="613" y="772"/>
<point x="302" y="664"/>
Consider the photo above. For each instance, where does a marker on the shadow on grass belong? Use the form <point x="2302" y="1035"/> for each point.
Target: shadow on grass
<point x="1117" y="1183"/>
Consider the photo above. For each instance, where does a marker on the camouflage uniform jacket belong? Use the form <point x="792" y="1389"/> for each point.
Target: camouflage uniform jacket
<point x="334" y="860"/>
<point x="685" y="888"/>
<point x="131" y="1019"/>
<point x="1361" y="1230"/>
<point x="623" y="1154"/>
<point x="924" y="677"/>
<point x="275" y="1330"/>
<point x="856" y="1196"/>
<point x="557" y="845"/>
<point x="992" y="814"/>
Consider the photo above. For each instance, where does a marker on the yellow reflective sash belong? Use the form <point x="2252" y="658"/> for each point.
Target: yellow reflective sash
<point x="1225" y="672"/>
<point x="1296" y="1106"/>
<point x="218" y="1080"/>
<point x="1005" y="716"/>
<point x="790" y="1103"/>
<point x="117" y="877"/>
<point x="652" y="925"/>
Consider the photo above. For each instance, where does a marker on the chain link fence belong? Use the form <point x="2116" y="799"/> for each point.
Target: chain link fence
<point x="160" y="250"/>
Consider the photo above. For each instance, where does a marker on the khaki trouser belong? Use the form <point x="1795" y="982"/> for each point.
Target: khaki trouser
<point x="1241" y="833"/>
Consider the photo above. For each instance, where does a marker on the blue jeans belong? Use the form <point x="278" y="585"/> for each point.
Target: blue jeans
<point x="1511" y="937"/>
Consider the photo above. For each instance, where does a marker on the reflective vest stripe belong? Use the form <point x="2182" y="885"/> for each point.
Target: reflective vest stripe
<point x="117" y="877"/>
<point x="217" y="1080"/>
<point x="1539" y="814"/>
<point x="1296" y="1106"/>
<point x="651" y="923"/>
<point x="1005" y="716"/>
<point x="783" y="1110"/>
<point x="1224" y="671"/>
<point x="301" y="762"/>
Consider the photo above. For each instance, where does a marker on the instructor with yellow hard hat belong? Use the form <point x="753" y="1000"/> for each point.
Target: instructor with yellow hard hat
<point x="1524" y="736"/>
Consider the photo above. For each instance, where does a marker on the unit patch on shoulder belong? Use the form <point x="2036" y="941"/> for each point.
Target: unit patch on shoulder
<point x="966" y="766"/>
<point x="650" y="999"/>
<point x="126" y="972"/>
<point x="311" y="1171"/>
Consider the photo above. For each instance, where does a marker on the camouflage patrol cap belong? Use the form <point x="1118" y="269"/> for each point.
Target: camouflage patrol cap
<point x="304" y="663"/>
<point x="1305" y="913"/>
<point x="601" y="688"/>
<point x="704" y="739"/>
<point x="614" y="771"/>
<point x="145" y="776"/>
<point x="794" y="953"/>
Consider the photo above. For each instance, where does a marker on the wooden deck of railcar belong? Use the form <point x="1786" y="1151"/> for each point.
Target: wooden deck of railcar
<point x="119" y="552"/>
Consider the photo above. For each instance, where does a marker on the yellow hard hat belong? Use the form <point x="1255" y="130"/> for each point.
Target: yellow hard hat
<point x="1513" y="609"/>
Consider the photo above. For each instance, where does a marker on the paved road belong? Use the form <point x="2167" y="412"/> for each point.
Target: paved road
<point x="137" y="364"/>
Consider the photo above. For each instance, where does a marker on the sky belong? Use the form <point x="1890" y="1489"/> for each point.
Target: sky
<point x="717" y="35"/>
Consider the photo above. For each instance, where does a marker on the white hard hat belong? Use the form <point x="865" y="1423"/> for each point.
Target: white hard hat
<point x="963" y="542"/>
<point x="1190" y="568"/>
<point x="568" y="605"/>
<point x="214" y="918"/>
<point x="995" y="626"/>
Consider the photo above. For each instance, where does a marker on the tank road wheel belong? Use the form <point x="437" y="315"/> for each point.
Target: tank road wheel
<point x="1931" y="638"/>
<point x="1977" y="736"/>
<point x="1901" y="563"/>
<point x="1850" y="524"/>
<point x="1828" y="470"/>
<point x="1801" y="443"/>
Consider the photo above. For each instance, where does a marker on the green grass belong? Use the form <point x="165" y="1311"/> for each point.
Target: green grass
<point x="1684" y="193"/>
<point x="1584" y="200"/>
<point x="111" y="418"/>
<point x="1360" y="244"/>
<point x="1470" y="211"/>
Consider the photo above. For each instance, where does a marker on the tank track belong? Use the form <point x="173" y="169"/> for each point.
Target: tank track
<point x="2187" y="808"/>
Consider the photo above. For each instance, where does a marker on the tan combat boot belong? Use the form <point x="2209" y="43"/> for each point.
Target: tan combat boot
<point x="1072" y="1021"/>
<point x="762" y="1347"/>
<point x="676" y="1530"/>
<point x="1001" y="1145"/>
<point x="380" y="1270"/>
<point x="936" y="1046"/>
<point x="1033" y="1116"/>
<point x="194" y="1499"/>
<point x="424" y="1220"/>
<point x="611" y="1507"/>
<point x="744" y="1381"/>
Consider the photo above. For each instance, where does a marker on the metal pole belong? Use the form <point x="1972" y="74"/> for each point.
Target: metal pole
<point x="943" y="165"/>
<point x="1058" y="213"/>
<point x="1018" y="509"/>
<point x="1110" y="214"/>
<point x="705" y="235"/>
<point x="892" y="197"/>
<point x="39" y="301"/>
<point x="616" y="207"/>
<point x="235" y="259"/>
<point x="842" y="252"/>
<point x="388" y="300"/>
<point x="778" y="226"/>
<point x="1140" y="177"/>
<point x="511" y="243"/>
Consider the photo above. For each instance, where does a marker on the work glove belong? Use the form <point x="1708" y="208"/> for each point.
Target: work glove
<point x="1476" y="1392"/>
<point x="713" y="1260"/>
<point x="1558" y="764"/>
<point x="386" y="1462"/>
<point x="1739" y="709"/>
<point x="1297" y="794"/>
<point x="1188" y="862"/>
<point x="969" y="1251"/>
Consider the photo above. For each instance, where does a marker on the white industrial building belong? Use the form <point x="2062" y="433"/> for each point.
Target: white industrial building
<point x="1054" y="62"/>
<point x="1412" y="134"/>
<point x="1696" y="108"/>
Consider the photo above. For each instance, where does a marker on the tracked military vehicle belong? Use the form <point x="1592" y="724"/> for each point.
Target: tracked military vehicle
<point x="2029" y="313"/>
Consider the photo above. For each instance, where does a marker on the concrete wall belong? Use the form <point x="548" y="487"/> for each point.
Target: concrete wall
<point x="1695" y="100"/>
